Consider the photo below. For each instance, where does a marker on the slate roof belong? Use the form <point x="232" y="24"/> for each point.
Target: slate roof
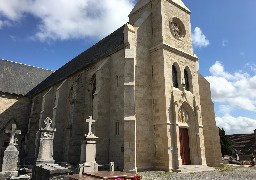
<point x="107" y="46"/>
<point x="16" y="78"/>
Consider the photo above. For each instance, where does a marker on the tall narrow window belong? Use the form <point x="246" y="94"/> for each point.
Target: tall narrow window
<point x="117" y="127"/>
<point x="117" y="81"/>
<point x="186" y="78"/>
<point x="152" y="71"/>
<point x="93" y="91"/>
<point x="174" y="77"/>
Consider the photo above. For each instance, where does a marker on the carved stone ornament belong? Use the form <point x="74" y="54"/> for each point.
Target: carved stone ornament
<point x="47" y="135"/>
<point x="13" y="132"/>
<point x="177" y="28"/>
<point x="90" y="121"/>
<point x="183" y="116"/>
<point x="48" y="131"/>
<point x="48" y="123"/>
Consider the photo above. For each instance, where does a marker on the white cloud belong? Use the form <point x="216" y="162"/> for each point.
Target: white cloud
<point x="236" y="90"/>
<point x="236" y="125"/>
<point x="14" y="9"/>
<point x="65" y="19"/>
<point x="199" y="39"/>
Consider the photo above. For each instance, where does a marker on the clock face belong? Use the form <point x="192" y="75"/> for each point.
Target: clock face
<point x="177" y="28"/>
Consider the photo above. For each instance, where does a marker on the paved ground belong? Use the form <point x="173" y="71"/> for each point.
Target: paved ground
<point x="226" y="173"/>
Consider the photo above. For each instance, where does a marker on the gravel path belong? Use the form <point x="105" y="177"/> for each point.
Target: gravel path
<point x="227" y="174"/>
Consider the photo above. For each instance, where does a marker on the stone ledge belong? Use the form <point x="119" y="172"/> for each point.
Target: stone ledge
<point x="174" y="50"/>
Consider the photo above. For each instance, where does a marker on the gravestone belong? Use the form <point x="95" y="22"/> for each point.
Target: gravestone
<point x="88" y="150"/>
<point x="11" y="155"/>
<point x="45" y="168"/>
<point x="111" y="167"/>
<point x="45" y="153"/>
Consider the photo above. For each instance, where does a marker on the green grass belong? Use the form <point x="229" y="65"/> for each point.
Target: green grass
<point x="226" y="168"/>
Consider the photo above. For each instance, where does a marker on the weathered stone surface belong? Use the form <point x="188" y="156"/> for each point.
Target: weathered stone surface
<point x="45" y="153"/>
<point x="21" y="177"/>
<point x="13" y="109"/>
<point x="88" y="150"/>
<point x="50" y="172"/>
<point x="10" y="159"/>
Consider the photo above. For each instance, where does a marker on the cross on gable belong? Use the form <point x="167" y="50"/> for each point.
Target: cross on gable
<point x="90" y="121"/>
<point x="13" y="131"/>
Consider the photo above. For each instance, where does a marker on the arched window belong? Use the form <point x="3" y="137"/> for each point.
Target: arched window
<point x="175" y="77"/>
<point x="93" y="86"/>
<point x="186" y="78"/>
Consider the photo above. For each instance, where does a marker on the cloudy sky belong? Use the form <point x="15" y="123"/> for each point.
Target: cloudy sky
<point x="48" y="34"/>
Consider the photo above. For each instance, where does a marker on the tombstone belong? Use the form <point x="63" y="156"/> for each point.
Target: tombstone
<point x="88" y="150"/>
<point x="45" y="153"/>
<point x="111" y="167"/>
<point x="11" y="155"/>
<point x="45" y="168"/>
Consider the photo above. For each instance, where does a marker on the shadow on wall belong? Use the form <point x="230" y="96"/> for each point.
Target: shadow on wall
<point x="14" y="109"/>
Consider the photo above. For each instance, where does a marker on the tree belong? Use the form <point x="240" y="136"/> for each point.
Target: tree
<point x="226" y="145"/>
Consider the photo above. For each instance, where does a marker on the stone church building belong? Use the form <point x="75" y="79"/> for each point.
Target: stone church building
<point x="141" y="84"/>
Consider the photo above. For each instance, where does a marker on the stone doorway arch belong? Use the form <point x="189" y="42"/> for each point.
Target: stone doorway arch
<point x="186" y="135"/>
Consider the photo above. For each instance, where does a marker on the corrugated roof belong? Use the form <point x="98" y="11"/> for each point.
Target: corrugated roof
<point x="102" y="49"/>
<point x="17" y="78"/>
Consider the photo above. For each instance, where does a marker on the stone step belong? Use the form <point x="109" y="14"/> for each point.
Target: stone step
<point x="195" y="168"/>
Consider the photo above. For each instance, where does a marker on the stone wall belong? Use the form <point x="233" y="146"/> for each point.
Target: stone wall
<point x="69" y="103"/>
<point x="116" y="110"/>
<point x="33" y="127"/>
<point x="211" y="131"/>
<point x="13" y="109"/>
<point x="143" y="94"/>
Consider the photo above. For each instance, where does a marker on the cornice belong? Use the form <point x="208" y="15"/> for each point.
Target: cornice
<point x="178" y="6"/>
<point x="174" y="50"/>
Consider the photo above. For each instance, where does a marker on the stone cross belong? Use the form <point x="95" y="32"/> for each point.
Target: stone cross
<point x="90" y="121"/>
<point x="13" y="131"/>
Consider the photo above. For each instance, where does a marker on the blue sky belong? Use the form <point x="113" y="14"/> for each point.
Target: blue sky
<point x="48" y="34"/>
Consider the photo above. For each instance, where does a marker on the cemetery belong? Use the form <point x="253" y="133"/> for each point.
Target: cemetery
<point x="134" y="102"/>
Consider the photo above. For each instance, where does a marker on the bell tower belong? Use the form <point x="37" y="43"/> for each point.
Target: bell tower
<point x="170" y="22"/>
<point x="166" y="68"/>
<point x="176" y="27"/>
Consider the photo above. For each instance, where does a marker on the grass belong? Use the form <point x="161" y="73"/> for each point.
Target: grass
<point x="226" y="168"/>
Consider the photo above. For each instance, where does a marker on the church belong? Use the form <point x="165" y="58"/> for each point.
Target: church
<point x="141" y="84"/>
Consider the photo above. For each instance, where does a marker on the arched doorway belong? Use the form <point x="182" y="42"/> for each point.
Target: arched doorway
<point x="183" y="120"/>
<point x="184" y="146"/>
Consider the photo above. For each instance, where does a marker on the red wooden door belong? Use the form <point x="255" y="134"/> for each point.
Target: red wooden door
<point x="184" y="146"/>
